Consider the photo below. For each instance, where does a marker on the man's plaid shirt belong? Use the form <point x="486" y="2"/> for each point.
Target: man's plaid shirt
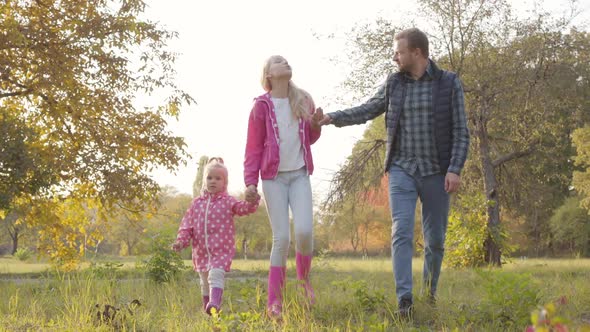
<point x="414" y="147"/>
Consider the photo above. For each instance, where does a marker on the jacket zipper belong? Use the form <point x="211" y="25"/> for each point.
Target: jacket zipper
<point x="206" y="234"/>
<point x="274" y="130"/>
<point x="302" y="132"/>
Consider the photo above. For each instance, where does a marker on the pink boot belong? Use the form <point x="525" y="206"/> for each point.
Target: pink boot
<point x="303" y="264"/>
<point x="276" y="285"/>
<point x="215" y="299"/>
<point x="205" y="302"/>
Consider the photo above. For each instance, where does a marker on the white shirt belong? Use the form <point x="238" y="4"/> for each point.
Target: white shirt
<point x="290" y="149"/>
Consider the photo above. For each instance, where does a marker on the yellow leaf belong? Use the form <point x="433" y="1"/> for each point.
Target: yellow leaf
<point x="550" y="307"/>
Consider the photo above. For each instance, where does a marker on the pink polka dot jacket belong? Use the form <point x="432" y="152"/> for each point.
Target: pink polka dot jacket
<point x="208" y="225"/>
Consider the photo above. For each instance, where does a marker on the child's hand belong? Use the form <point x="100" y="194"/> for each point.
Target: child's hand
<point x="255" y="198"/>
<point x="176" y="246"/>
<point x="252" y="198"/>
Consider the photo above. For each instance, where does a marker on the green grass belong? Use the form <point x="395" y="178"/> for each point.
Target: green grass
<point x="9" y="265"/>
<point x="352" y="295"/>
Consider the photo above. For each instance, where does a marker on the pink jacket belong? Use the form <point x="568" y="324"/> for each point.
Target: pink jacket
<point x="262" y="145"/>
<point x="208" y="225"/>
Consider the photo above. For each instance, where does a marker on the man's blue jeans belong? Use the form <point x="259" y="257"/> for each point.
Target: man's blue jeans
<point x="404" y="190"/>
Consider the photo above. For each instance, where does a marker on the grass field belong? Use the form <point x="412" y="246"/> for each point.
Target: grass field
<point x="352" y="295"/>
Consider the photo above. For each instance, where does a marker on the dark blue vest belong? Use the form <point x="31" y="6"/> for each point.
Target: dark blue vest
<point x="442" y="101"/>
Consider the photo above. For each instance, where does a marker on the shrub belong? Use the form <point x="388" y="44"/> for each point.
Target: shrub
<point x="106" y="270"/>
<point x="570" y="227"/>
<point x="510" y="296"/>
<point x="22" y="254"/>
<point x="467" y="232"/>
<point x="164" y="264"/>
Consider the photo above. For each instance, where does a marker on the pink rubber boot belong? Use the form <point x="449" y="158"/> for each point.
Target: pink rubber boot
<point x="215" y="299"/>
<point x="205" y="302"/>
<point x="276" y="285"/>
<point x="303" y="264"/>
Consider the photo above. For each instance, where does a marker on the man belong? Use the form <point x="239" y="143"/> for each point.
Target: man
<point x="427" y="144"/>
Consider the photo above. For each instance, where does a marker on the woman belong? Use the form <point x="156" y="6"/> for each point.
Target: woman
<point x="282" y="126"/>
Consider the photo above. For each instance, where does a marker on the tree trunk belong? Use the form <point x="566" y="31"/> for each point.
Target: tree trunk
<point x="364" y="241"/>
<point x="535" y="235"/>
<point x="14" y="240"/>
<point x="244" y="247"/>
<point x="354" y="239"/>
<point x="96" y="248"/>
<point x="130" y="245"/>
<point x="354" y="236"/>
<point x="492" y="251"/>
<point x="13" y="229"/>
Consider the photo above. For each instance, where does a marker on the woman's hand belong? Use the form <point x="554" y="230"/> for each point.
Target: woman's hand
<point x="316" y="118"/>
<point x="252" y="194"/>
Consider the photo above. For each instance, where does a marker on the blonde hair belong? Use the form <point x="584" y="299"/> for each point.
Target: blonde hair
<point x="299" y="100"/>
<point x="214" y="163"/>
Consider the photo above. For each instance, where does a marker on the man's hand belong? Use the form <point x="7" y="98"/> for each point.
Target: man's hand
<point x="325" y="120"/>
<point x="452" y="182"/>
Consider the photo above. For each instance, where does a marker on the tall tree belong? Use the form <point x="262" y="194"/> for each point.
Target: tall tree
<point x="15" y="221"/>
<point x="70" y="71"/>
<point x="373" y="223"/>
<point x="252" y="232"/>
<point x="511" y="69"/>
<point x="198" y="183"/>
<point x="571" y="227"/>
<point x="130" y="233"/>
<point x="24" y="170"/>
<point x="13" y="229"/>
<point x="581" y="138"/>
<point x="344" y="224"/>
<point x="128" y="230"/>
<point x="65" y="242"/>
<point x="164" y="222"/>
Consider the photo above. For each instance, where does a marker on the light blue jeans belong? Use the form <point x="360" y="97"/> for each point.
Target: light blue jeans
<point x="404" y="190"/>
<point x="290" y="189"/>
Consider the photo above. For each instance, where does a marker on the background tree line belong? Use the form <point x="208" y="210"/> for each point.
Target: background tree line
<point x="527" y="89"/>
<point x="77" y="151"/>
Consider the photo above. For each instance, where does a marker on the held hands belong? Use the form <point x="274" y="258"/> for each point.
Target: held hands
<point x="252" y="194"/>
<point x="452" y="182"/>
<point x="320" y="118"/>
<point x="316" y="118"/>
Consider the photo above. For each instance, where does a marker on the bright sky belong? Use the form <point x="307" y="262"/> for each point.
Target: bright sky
<point x="223" y="45"/>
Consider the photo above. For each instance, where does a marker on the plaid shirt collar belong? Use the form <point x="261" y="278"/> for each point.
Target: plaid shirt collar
<point x="427" y="76"/>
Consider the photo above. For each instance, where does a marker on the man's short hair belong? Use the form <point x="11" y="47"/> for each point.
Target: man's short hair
<point x="416" y="39"/>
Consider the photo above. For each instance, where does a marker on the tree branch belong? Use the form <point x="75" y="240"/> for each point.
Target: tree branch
<point x="353" y="177"/>
<point x="513" y="155"/>
<point x="16" y="93"/>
